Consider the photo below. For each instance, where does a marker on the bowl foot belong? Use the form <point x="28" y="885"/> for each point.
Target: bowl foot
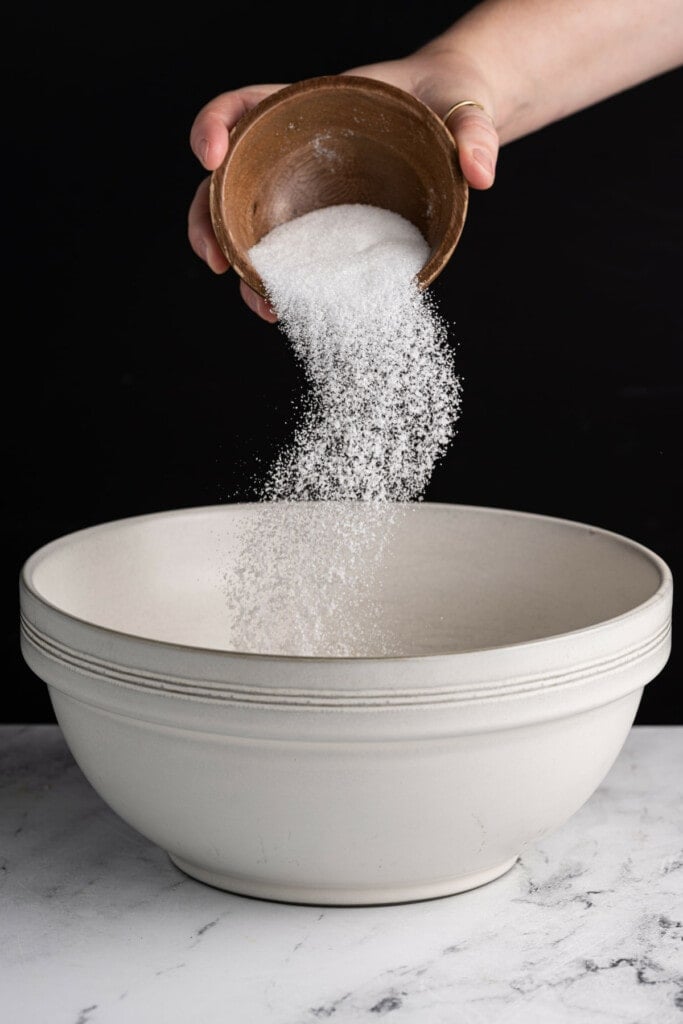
<point x="341" y="896"/>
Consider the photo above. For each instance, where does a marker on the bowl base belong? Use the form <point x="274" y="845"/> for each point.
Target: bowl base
<point x="341" y="897"/>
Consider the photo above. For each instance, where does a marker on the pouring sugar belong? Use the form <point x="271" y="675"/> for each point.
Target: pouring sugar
<point x="383" y="395"/>
<point x="383" y="398"/>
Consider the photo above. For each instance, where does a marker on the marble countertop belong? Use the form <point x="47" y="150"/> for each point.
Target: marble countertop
<point x="99" y="927"/>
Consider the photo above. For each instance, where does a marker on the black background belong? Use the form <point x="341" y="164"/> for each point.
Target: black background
<point x="137" y="381"/>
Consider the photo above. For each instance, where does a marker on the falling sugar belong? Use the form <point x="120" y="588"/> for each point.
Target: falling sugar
<point x="379" y="412"/>
<point x="383" y="394"/>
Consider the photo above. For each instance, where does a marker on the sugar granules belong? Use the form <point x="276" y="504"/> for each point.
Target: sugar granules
<point x="382" y="401"/>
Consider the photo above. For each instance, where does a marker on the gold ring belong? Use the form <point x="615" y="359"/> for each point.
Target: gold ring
<point x="465" y="103"/>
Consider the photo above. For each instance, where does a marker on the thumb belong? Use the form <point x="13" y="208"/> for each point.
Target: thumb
<point x="477" y="141"/>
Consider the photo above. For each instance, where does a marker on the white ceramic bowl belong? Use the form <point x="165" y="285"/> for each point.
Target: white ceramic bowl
<point x="349" y="780"/>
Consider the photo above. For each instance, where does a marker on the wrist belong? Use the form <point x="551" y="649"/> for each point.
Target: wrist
<point x="444" y="75"/>
<point x="447" y="70"/>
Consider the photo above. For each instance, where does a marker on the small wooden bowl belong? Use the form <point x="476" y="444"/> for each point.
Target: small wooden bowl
<point x="338" y="139"/>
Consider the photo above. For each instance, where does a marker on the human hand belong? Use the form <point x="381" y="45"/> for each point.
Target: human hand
<point x="209" y="142"/>
<point x="428" y="75"/>
<point x="439" y="79"/>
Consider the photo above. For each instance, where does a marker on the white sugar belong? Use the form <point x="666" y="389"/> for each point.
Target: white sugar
<point x="383" y="393"/>
<point x="380" y="411"/>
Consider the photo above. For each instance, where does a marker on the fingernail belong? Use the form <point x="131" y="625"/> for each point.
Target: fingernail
<point x="251" y="298"/>
<point x="264" y="310"/>
<point x="483" y="159"/>
<point x="216" y="260"/>
<point x="203" y="150"/>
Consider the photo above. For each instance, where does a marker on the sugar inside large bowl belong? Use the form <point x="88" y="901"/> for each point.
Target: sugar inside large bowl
<point x="442" y="710"/>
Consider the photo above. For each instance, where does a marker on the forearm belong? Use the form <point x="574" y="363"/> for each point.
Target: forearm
<point x="541" y="60"/>
<point x="527" y="62"/>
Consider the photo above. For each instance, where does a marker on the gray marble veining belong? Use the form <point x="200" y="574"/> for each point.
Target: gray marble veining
<point x="98" y="927"/>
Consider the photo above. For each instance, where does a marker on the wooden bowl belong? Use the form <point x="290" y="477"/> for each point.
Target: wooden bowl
<point x="331" y="140"/>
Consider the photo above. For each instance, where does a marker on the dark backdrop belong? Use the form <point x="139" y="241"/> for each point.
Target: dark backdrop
<point x="137" y="381"/>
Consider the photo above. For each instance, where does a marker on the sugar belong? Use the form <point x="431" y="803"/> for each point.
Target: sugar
<point x="382" y="401"/>
<point x="383" y="394"/>
<point x="305" y="580"/>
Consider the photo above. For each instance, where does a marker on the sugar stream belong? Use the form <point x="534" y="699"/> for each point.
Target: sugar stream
<point x="380" y="410"/>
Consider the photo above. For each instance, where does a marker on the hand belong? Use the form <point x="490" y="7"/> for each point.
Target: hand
<point x="209" y="143"/>
<point x="428" y="74"/>
<point x="440" y="79"/>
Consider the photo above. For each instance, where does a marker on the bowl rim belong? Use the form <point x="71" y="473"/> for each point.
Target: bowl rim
<point x="663" y="592"/>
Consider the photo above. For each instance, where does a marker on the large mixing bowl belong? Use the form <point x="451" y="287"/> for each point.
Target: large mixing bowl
<point x="524" y="644"/>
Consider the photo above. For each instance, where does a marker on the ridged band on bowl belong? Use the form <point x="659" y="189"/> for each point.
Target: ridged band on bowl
<point x="233" y="691"/>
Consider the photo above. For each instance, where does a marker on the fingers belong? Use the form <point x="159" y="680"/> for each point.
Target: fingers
<point x="477" y="141"/>
<point x="257" y="304"/>
<point x="211" y="126"/>
<point x="439" y="79"/>
<point x="204" y="244"/>
<point x="209" y="139"/>
<point x="200" y="230"/>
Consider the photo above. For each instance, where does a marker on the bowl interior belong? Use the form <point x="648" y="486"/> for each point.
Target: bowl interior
<point x="332" y="140"/>
<point x="441" y="578"/>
